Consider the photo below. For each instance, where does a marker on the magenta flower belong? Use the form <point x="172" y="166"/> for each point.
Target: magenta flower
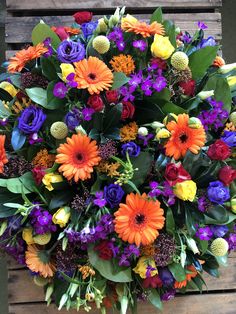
<point x="87" y="113"/>
<point x="140" y="44"/>
<point x="60" y="90"/>
<point x="204" y="233"/>
<point x="202" y="25"/>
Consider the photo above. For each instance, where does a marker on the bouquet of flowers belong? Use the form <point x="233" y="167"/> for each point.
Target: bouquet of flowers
<point x="117" y="160"/>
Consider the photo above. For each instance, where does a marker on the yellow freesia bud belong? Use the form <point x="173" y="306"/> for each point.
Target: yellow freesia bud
<point x="8" y="87"/>
<point x="233" y="205"/>
<point x="227" y="68"/>
<point x="162" y="134"/>
<point x="194" y="123"/>
<point x="62" y="216"/>
<point x="102" y="26"/>
<point x="170" y="117"/>
<point x="205" y="94"/>
<point x="186" y="190"/>
<point x="66" y="69"/>
<point x="27" y="235"/>
<point x="162" y="47"/>
<point x="50" y="178"/>
<point x="143" y="263"/>
<point x="231" y="81"/>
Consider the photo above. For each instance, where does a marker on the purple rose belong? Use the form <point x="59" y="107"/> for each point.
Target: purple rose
<point x="70" y="51"/>
<point x="72" y="119"/>
<point x="210" y="41"/>
<point x="218" y="193"/>
<point x="89" y="28"/>
<point x="166" y="277"/>
<point x="219" y="231"/>
<point x="113" y="194"/>
<point x="229" y="137"/>
<point x="132" y="149"/>
<point x="31" y="120"/>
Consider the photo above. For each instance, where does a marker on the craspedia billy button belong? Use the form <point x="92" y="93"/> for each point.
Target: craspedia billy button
<point x="42" y="239"/>
<point x="101" y="44"/>
<point x="232" y="118"/>
<point x="59" y="130"/>
<point x="219" y="247"/>
<point x="179" y="60"/>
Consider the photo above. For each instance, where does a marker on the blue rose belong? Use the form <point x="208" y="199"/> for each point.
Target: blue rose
<point x="31" y="120"/>
<point x="218" y="193"/>
<point x="210" y="41"/>
<point x="113" y="194"/>
<point x="229" y="137"/>
<point x="89" y="28"/>
<point x="166" y="277"/>
<point x="72" y="119"/>
<point x="132" y="149"/>
<point x="70" y="51"/>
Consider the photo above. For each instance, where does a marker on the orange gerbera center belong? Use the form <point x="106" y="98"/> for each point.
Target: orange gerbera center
<point x="184" y="138"/>
<point x="123" y="63"/>
<point x="139" y="219"/>
<point x="78" y="157"/>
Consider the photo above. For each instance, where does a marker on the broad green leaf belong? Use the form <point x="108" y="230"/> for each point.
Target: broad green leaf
<point x="177" y="271"/>
<point x="217" y="215"/>
<point x="119" y="79"/>
<point x="170" y="31"/>
<point x="200" y="60"/>
<point x="190" y="224"/>
<point x="38" y="95"/>
<point x="60" y="198"/>
<point x="112" y="118"/>
<point x="25" y="184"/>
<point x="42" y="31"/>
<point x="6" y="196"/>
<point x="172" y="108"/>
<point x="16" y="80"/>
<point x="170" y="222"/>
<point x="4" y="112"/>
<point x="157" y="16"/>
<point x="48" y="68"/>
<point x="154" y="298"/>
<point x="17" y="139"/>
<point x="203" y="246"/>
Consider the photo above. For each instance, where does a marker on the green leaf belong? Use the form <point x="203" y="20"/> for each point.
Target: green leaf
<point x="170" y="222"/>
<point x="42" y="31"/>
<point x="60" y="198"/>
<point x="48" y="68"/>
<point x="195" y="163"/>
<point x="4" y="113"/>
<point x="172" y="108"/>
<point x="112" y="118"/>
<point x="189" y="221"/>
<point x="200" y="60"/>
<point x="16" y="80"/>
<point x="52" y="101"/>
<point x="177" y="271"/>
<point x="38" y="95"/>
<point x="119" y="79"/>
<point x="170" y="31"/>
<point x="157" y="16"/>
<point x="216" y="214"/>
<point x="203" y="246"/>
<point x="25" y="184"/>
<point x="6" y="196"/>
<point x="160" y="98"/>
<point x="107" y="269"/>
<point x="154" y="298"/>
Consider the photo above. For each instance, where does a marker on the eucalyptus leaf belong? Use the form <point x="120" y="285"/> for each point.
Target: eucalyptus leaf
<point x="42" y="31"/>
<point x="119" y="79"/>
<point x="38" y="95"/>
<point x="177" y="271"/>
<point x="157" y="16"/>
<point x="170" y="222"/>
<point x="17" y="139"/>
<point x="154" y="298"/>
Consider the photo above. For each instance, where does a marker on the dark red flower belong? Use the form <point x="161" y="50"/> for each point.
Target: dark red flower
<point x="112" y="96"/>
<point x="159" y="63"/>
<point x="227" y="175"/>
<point x="38" y="174"/>
<point x="128" y="110"/>
<point x="83" y="17"/>
<point x="152" y="282"/>
<point x="95" y="102"/>
<point x="188" y="87"/>
<point x="219" y="151"/>
<point x="176" y="173"/>
<point x="104" y="250"/>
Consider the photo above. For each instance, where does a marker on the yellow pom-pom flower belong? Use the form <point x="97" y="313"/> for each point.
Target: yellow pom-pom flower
<point x="219" y="247"/>
<point x="179" y="60"/>
<point x="42" y="239"/>
<point x="101" y="44"/>
<point x="59" y="130"/>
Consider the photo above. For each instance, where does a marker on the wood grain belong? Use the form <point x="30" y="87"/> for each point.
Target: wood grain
<point x="224" y="303"/>
<point x="187" y="21"/>
<point x="95" y="4"/>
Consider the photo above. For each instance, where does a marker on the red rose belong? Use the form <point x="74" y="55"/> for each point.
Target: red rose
<point x="188" y="87"/>
<point x="112" y="96"/>
<point x="83" y="17"/>
<point x="176" y="173"/>
<point x="38" y="174"/>
<point x="61" y="32"/>
<point x="104" y="250"/>
<point x="227" y="175"/>
<point x="152" y="282"/>
<point x="128" y="110"/>
<point x="95" y="102"/>
<point x="219" y="151"/>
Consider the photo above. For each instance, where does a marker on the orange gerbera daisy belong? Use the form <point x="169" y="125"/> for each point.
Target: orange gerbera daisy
<point x="18" y="62"/>
<point x="123" y="63"/>
<point x="189" y="276"/>
<point x="132" y="25"/>
<point x="39" y="261"/>
<point x="184" y="138"/>
<point x="3" y="156"/>
<point x="78" y="157"/>
<point x="93" y="74"/>
<point x="139" y="220"/>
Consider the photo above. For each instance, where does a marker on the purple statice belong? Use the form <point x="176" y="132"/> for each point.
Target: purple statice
<point x="160" y="83"/>
<point x="104" y="227"/>
<point x="31" y="119"/>
<point x="214" y="117"/>
<point x="60" y="90"/>
<point x="131" y="148"/>
<point x="72" y="119"/>
<point x="88" y="29"/>
<point x="166" y="277"/>
<point x="34" y="138"/>
<point x="71" y="80"/>
<point x="168" y="295"/>
<point x="155" y="189"/>
<point x="3" y="122"/>
<point x="219" y="231"/>
<point x="113" y="193"/>
<point x="72" y="235"/>
<point x="87" y="114"/>
<point x="145" y="138"/>
<point x="229" y="137"/>
<point x="146" y="86"/>
<point x="127" y="93"/>
<point x="135" y="79"/>
<point x="87" y="235"/>
<point x="41" y="220"/>
<point x="140" y="44"/>
<point x="204" y="233"/>
<point x="120" y="45"/>
<point x="70" y="51"/>
<point x="99" y="201"/>
<point x="168" y="193"/>
<point x="117" y="37"/>
<point x="47" y="44"/>
<point x="231" y="241"/>
<point x="203" y="204"/>
<point x="129" y="252"/>
<point x="217" y="193"/>
<point x="201" y="25"/>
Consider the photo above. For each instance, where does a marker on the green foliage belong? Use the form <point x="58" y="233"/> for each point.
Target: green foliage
<point x="38" y="95"/>
<point x="154" y="298"/>
<point x="170" y="222"/>
<point x="177" y="271"/>
<point x="170" y="32"/>
<point x="42" y="31"/>
<point x="49" y="68"/>
<point x="157" y="16"/>
<point x="6" y="196"/>
<point x="119" y="79"/>
<point x="170" y="107"/>
<point x="24" y="184"/>
<point x="4" y="113"/>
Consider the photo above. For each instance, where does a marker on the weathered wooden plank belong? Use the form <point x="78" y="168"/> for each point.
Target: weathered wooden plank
<point x="224" y="303"/>
<point x="95" y="4"/>
<point x="24" y="25"/>
<point x="11" y="262"/>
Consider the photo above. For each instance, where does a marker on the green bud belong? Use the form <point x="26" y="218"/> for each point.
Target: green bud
<point x="205" y="94"/>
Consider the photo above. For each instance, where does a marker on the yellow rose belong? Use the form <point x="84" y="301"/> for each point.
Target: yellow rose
<point x="143" y="263"/>
<point x="66" y="69"/>
<point x="8" y="87"/>
<point x="27" y="235"/>
<point x="162" y="134"/>
<point x="161" y="47"/>
<point x="185" y="190"/>
<point x="62" y="216"/>
<point x="50" y="178"/>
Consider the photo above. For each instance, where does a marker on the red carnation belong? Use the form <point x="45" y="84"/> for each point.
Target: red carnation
<point x="83" y="17"/>
<point x="38" y="174"/>
<point x="227" y="175"/>
<point x="128" y="110"/>
<point x="188" y="87"/>
<point x="176" y="173"/>
<point x="112" y="96"/>
<point x="95" y="102"/>
<point x="152" y="282"/>
<point x="219" y="151"/>
<point x="104" y="250"/>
